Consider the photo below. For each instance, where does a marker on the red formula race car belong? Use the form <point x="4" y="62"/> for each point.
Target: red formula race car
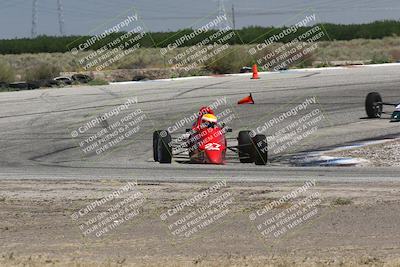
<point x="206" y="142"/>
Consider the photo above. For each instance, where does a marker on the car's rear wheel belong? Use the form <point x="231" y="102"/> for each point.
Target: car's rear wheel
<point x="373" y="105"/>
<point x="245" y="147"/>
<point x="261" y="149"/>
<point x="162" y="150"/>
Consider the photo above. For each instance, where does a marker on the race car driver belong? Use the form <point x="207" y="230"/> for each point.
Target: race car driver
<point x="208" y="121"/>
<point x="207" y="118"/>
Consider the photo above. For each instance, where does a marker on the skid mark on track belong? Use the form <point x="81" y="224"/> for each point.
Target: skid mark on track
<point x="36" y="158"/>
<point x="198" y="88"/>
<point x="309" y="75"/>
<point x="109" y="92"/>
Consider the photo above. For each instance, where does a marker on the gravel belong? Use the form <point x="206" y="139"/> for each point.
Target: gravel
<point x="381" y="155"/>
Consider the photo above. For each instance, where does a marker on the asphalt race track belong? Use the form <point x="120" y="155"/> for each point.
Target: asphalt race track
<point x="36" y="125"/>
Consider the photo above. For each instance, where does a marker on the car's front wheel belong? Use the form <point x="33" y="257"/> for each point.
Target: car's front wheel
<point x="261" y="149"/>
<point x="245" y="147"/>
<point x="162" y="150"/>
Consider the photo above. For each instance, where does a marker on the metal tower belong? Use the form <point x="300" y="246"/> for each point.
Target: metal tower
<point x="34" y="19"/>
<point x="61" y="17"/>
<point x="222" y="12"/>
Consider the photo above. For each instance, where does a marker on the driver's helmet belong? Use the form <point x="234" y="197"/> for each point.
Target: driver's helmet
<point x="208" y="120"/>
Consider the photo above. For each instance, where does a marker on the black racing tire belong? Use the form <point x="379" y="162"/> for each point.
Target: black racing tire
<point x="163" y="147"/>
<point x="261" y="149"/>
<point x="373" y="109"/>
<point x="138" y="78"/>
<point x="81" y="78"/>
<point x="155" y="142"/>
<point x="23" y="85"/>
<point x="3" y="85"/>
<point x="19" y="85"/>
<point x="245" y="147"/>
<point x="63" y="81"/>
<point x="33" y="86"/>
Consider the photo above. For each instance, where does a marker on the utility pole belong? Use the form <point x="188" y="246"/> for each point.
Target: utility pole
<point x="233" y="17"/>
<point x="61" y="17"/>
<point x="34" y="19"/>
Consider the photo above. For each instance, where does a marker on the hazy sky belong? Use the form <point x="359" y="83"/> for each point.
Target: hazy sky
<point x="81" y="16"/>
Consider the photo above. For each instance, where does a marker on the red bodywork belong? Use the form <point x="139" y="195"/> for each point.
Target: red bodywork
<point x="207" y="145"/>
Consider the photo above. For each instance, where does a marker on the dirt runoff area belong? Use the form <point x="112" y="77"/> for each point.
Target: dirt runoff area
<point x="386" y="154"/>
<point x="129" y="223"/>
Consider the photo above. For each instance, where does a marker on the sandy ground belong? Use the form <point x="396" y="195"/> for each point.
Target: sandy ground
<point x="355" y="224"/>
<point x="378" y="155"/>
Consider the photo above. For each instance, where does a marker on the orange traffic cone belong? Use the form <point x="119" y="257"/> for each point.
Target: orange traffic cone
<point x="246" y="100"/>
<point x="255" y="72"/>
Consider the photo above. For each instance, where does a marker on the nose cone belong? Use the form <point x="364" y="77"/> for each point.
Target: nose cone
<point x="214" y="156"/>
